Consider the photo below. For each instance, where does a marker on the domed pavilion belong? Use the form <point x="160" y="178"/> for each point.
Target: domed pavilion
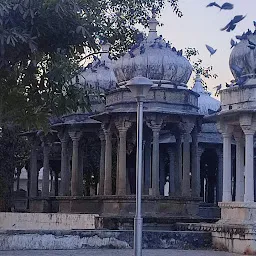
<point x="178" y="143"/>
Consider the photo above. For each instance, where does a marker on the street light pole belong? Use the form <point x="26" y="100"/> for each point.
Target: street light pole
<point x="138" y="221"/>
<point x="139" y="87"/>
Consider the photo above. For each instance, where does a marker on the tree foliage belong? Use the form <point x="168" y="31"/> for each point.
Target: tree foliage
<point x="197" y="64"/>
<point x="43" y="41"/>
<point x="13" y="154"/>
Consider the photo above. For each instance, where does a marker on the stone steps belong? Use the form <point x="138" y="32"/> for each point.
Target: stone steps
<point x="121" y="239"/>
<point x="168" y="223"/>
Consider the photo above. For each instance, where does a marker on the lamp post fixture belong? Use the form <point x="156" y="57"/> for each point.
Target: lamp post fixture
<point x="139" y="87"/>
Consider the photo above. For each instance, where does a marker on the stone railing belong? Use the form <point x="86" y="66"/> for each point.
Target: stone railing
<point x="238" y="98"/>
<point x="156" y="94"/>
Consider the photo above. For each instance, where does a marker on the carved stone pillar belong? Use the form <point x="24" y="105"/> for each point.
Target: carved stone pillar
<point x="108" y="160"/>
<point x="199" y="155"/>
<point x="196" y="184"/>
<point x="147" y="166"/>
<point x="239" y="138"/>
<point x="226" y="131"/>
<point x="102" y="162"/>
<point x="249" y="132"/>
<point x="65" y="170"/>
<point x="122" y="126"/>
<point x="187" y="128"/>
<point x="46" y="170"/>
<point x="172" y="170"/>
<point x="178" y="165"/>
<point x="220" y="174"/>
<point x="33" y="168"/>
<point x="76" y="180"/>
<point x="156" y="127"/>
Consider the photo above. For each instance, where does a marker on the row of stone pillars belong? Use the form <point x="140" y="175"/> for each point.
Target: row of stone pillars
<point x="244" y="139"/>
<point x="183" y="162"/>
<point x="181" y="167"/>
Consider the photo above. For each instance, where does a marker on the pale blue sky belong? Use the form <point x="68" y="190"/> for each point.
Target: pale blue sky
<point x="201" y="25"/>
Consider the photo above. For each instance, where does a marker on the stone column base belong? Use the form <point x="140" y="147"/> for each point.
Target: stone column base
<point x="236" y="231"/>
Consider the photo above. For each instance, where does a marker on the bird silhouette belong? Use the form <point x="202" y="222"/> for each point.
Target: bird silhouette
<point x="242" y="37"/>
<point x="160" y="46"/>
<point x="213" y="4"/>
<point x="174" y="49"/>
<point x="241" y="80"/>
<point x="225" y="6"/>
<point x="233" y="43"/>
<point x="232" y="24"/>
<point x="211" y="50"/>
<point x="168" y="45"/>
<point x="238" y="71"/>
<point x="218" y="88"/>
<point x="180" y="52"/>
<point x="153" y="45"/>
<point x="251" y="45"/>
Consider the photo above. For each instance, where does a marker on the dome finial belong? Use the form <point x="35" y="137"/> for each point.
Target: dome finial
<point x="152" y="24"/>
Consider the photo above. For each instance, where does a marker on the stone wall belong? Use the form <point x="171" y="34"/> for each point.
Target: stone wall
<point x="70" y="240"/>
<point x="46" y="221"/>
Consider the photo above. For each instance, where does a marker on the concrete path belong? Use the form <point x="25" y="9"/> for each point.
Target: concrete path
<point x="108" y="252"/>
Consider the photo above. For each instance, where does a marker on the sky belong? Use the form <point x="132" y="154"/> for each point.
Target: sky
<point x="200" y="25"/>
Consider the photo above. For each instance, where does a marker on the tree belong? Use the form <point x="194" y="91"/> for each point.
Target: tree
<point x="40" y="38"/>
<point x="13" y="154"/>
<point x="42" y="43"/>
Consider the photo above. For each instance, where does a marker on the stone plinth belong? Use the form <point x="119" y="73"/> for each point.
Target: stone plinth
<point x="125" y="205"/>
<point x="236" y="231"/>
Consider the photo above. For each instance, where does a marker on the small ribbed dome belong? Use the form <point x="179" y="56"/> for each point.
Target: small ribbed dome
<point x="243" y="57"/>
<point x="205" y="101"/>
<point x="99" y="74"/>
<point x="155" y="59"/>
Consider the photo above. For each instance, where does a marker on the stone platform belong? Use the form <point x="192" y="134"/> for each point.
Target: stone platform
<point x="46" y="221"/>
<point x="184" y="207"/>
<point x="68" y="240"/>
<point x="234" y="232"/>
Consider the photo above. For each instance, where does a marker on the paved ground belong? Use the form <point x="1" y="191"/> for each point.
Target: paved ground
<point x="97" y="252"/>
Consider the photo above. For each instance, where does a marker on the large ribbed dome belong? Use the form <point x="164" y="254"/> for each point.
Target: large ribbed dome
<point x="155" y="59"/>
<point x="243" y="57"/>
<point x="100" y="73"/>
<point x="205" y="101"/>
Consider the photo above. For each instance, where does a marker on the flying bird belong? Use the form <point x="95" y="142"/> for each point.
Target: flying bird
<point x="211" y="50"/>
<point x="232" y="24"/>
<point x="213" y="4"/>
<point x="225" y="6"/>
